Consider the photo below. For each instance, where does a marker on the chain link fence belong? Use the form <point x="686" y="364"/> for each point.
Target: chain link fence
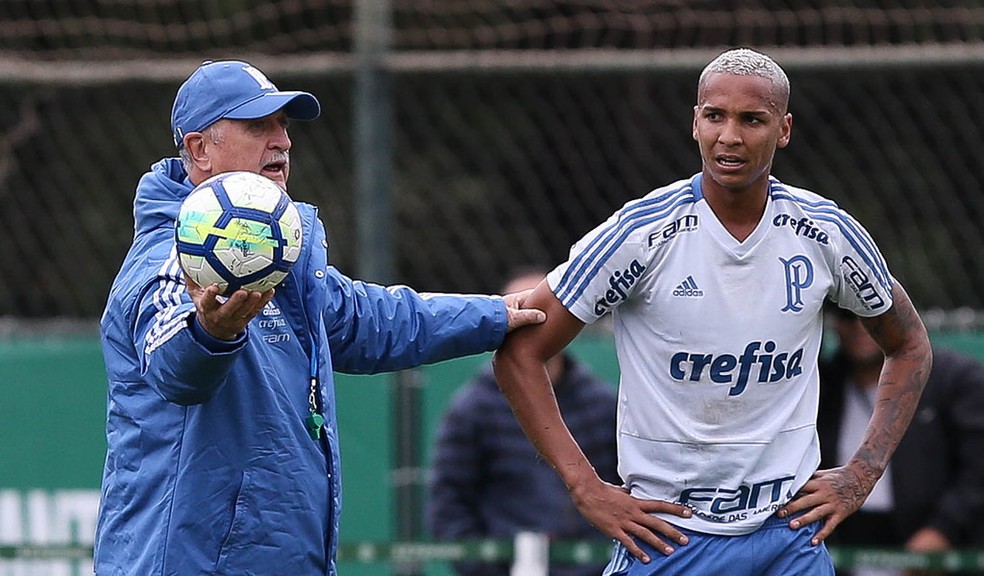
<point x="517" y="126"/>
<point x="105" y="29"/>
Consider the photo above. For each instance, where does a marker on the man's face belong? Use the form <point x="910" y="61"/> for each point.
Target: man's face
<point x="260" y="145"/>
<point x="738" y="124"/>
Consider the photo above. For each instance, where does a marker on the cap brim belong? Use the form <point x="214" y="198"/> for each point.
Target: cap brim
<point x="297" y="105"/>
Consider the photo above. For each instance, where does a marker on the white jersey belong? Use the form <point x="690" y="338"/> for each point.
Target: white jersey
<point x="718" y="340"/>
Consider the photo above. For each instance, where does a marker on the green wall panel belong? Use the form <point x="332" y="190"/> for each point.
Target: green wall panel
<point x="52" y="413"/>
<point x="52" y="418"/>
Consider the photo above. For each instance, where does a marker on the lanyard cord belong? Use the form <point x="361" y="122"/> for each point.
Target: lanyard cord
<point x="314" y="420"/>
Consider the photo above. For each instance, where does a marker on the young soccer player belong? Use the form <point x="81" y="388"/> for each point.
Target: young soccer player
<point x="716" y="284"/>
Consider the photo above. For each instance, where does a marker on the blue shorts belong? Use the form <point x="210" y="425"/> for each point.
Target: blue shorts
<point x="773" y="550"/>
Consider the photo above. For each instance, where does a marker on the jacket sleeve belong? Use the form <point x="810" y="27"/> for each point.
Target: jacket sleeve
<point x="184" y="365"/>
<point x="374" y="328"/>
<point x="961" y="504"/>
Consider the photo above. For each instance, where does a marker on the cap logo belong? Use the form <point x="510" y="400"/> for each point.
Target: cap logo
<point x="262" y="80"/>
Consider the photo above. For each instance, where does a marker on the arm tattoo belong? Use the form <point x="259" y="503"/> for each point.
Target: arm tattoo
<point x="908" y="358"/>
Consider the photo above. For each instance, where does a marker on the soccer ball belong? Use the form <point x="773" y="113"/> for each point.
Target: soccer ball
<point x="238" y="230"/>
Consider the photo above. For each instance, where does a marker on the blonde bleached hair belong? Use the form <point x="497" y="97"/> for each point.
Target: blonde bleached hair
<point x="748" y="62"/>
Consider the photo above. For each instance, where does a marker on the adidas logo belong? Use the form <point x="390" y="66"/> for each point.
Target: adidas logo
<point x="688" y="288"/>
<point x="271" y="309"/>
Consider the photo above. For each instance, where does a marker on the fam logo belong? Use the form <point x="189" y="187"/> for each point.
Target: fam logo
<point x="687" y="223"/>
<point x="771" y="366"/>
<point x="734" y="504"/>
<point x="858" y="280"/>
<point x="799" y="277"/>
<point x="619" y="284"/>
<point x="802" y="227"/>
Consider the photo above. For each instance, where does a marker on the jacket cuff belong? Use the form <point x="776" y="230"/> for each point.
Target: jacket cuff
<point x="211" y="343"/>
<point x="503" y="326"/>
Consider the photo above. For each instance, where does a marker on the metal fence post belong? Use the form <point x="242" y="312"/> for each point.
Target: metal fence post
<point x="531" y="554"/>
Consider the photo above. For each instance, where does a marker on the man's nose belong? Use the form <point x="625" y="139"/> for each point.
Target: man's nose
<point x="280" y="140"/>
<point x="730" y="133"/>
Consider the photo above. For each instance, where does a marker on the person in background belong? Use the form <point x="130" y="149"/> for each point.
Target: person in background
<point x="487" y="480"/>
<point x="931" y="496"/>
<point x="223" y="453"/>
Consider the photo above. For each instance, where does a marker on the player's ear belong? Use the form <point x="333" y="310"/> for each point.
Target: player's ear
<point x="693" y="129"/>
<point x="786" y="131"/>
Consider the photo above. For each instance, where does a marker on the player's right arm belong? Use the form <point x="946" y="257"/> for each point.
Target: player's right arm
<point x="520" y="369"/>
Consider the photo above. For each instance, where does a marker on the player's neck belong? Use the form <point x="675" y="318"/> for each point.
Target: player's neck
<point x="739" y="211"/>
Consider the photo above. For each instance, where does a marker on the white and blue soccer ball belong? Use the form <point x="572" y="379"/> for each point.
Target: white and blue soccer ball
<point x="238" y="230"/>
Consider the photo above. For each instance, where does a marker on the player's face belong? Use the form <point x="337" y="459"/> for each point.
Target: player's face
<point x="260" y="145"/>
<point x="739" y="123"/>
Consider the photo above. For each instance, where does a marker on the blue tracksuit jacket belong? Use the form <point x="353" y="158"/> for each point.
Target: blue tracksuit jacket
<point x="210" y="468"/>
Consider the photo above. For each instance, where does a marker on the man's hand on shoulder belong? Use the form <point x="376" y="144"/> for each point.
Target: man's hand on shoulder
<point x="519" y="316"/>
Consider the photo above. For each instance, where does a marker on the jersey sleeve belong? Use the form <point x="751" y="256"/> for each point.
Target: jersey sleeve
<point x="862" y="281"/>
<point x="602" y="272"/>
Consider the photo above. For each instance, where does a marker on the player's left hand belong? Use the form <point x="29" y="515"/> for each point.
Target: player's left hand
<point x="518" y="316"/>
<point x="830" y="495"/>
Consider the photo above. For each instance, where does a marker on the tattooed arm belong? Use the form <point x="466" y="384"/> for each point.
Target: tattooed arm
<point x="833" y="495"/>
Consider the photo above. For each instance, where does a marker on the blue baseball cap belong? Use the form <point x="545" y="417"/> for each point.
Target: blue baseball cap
<point x="236" y="90"/>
